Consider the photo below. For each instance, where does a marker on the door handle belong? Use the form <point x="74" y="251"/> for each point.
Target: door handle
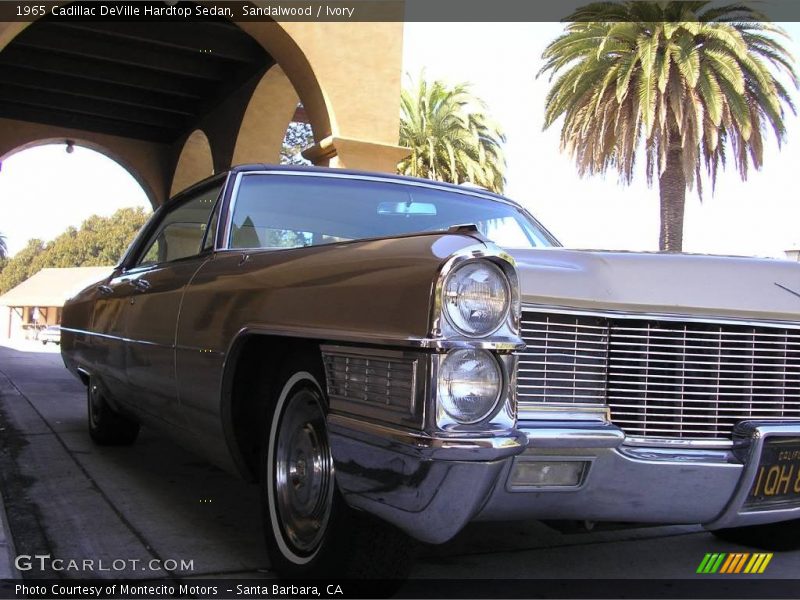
<point x="141" y="284"/>
<point x="105" y="290"/>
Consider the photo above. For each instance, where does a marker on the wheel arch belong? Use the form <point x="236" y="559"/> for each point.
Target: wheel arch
<point x="253" y="366"/>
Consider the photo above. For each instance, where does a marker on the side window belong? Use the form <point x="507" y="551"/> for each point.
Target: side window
<point x="180" y="233"/>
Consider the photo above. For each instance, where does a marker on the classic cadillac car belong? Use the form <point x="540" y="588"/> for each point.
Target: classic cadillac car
<point x="389" y="356"/>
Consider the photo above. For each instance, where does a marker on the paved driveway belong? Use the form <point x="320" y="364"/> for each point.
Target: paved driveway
<point x="156" y="502"/>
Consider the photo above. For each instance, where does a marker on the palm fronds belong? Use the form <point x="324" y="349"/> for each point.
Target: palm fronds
<point x="450" y="135"/>
<point x="658" y="75"/>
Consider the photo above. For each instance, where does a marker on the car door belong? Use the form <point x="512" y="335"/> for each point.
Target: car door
<point x="157" y="277"/>
<point x="107" y="347"/>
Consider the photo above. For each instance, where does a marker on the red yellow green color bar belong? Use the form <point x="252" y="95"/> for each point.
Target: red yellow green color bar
<point x="735" y="562"/>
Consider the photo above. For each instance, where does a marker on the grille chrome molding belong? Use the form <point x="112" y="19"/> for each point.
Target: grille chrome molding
<point x="661" y="377"/>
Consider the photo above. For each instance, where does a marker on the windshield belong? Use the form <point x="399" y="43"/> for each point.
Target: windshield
<point x="287" y="211"/>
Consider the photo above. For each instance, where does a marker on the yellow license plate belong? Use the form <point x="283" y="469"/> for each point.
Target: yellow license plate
<point x="777" y="480"/>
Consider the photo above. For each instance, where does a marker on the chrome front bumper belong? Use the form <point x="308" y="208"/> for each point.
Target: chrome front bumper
<point x="432" y="487"/>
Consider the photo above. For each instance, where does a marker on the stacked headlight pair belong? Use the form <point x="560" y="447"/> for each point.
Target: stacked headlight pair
<point x="476" y="300"/>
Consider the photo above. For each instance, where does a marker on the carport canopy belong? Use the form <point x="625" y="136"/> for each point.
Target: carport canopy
<point x="52" y="287"/>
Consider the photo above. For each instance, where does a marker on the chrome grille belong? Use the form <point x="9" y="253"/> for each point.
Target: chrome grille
<point x="380" y="382"/>
<point x="662" y="378"/>
<point x="565" y="359"/>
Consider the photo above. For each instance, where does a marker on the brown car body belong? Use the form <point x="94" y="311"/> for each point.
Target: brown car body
<point x="177" y="345"/>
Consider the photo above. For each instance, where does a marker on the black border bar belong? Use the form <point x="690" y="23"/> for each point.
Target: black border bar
<point x="711" y="587"/>
<point x="332" y="10"/>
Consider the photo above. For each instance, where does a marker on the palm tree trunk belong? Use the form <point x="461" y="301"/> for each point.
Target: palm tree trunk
<point x="672" y="189"/>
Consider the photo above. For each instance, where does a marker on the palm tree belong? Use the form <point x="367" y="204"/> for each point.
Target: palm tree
<point x="692" y="84"/>
<point x="450" y="135"/>
<point x="3" y="247"/>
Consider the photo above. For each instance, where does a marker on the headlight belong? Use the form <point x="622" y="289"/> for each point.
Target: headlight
<point x="470" y="382"/>
<point x="476" y="298"/>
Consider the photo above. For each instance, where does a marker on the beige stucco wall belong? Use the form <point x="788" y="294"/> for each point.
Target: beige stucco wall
<point x="266" y="119"/>
<point x="359" y="68"/>
<point x="195" y="162"/>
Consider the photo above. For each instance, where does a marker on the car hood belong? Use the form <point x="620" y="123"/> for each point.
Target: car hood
<point x="715" y="286"/>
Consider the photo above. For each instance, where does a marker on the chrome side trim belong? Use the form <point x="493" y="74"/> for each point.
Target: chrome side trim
<point x="228" y="226"/>
<point x="336" y="335"/>
<point x="498" y="345"/>
<point x="116" y="337"/>
<point x="219" y="203"/>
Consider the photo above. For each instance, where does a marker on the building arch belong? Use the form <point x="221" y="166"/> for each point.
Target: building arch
<point x="94" y="145"/>
<point x="348" y="81"/>
<point x="268" y="114"/>
<point x="195" y="162"/>
<point x="278" y="41"/>
<point x="294" y="63"/>
<point x="346" y="75"/>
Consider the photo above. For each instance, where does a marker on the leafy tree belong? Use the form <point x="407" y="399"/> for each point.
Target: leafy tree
<point x="689" y="84"/>
<point x="299" y="136"/>
<point x="19" y="268"/>
<point x="100" y="241"/>
<point x="450" y="135"/>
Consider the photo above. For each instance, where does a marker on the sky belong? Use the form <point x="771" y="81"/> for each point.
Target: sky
<point x="757" y="218"/>
<point x="43" y="190"/>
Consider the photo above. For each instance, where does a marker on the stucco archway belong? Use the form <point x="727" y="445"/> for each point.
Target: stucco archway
<point x="195" y="162"/>
<point x="264" y="123"/>
<point x="122" y="160"/>
<point x="348" y="81"/>
<point x="148" y="92"/>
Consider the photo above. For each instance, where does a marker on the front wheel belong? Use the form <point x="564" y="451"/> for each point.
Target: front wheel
<point x="310" y="531"/>
<point x="106" y="426"/>
<point x="781" y="536"/>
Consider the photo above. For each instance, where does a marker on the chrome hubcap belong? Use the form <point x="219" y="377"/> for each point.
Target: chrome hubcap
<point x="303" y="472"/>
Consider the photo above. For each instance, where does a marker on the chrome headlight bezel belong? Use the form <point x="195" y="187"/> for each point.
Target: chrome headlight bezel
<point x="500" y="343"/>
<point x="502" y="415"/>
<point x="448" y="416"/>
<point x="450" y="305"/>
<point x="506" y="336"/>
